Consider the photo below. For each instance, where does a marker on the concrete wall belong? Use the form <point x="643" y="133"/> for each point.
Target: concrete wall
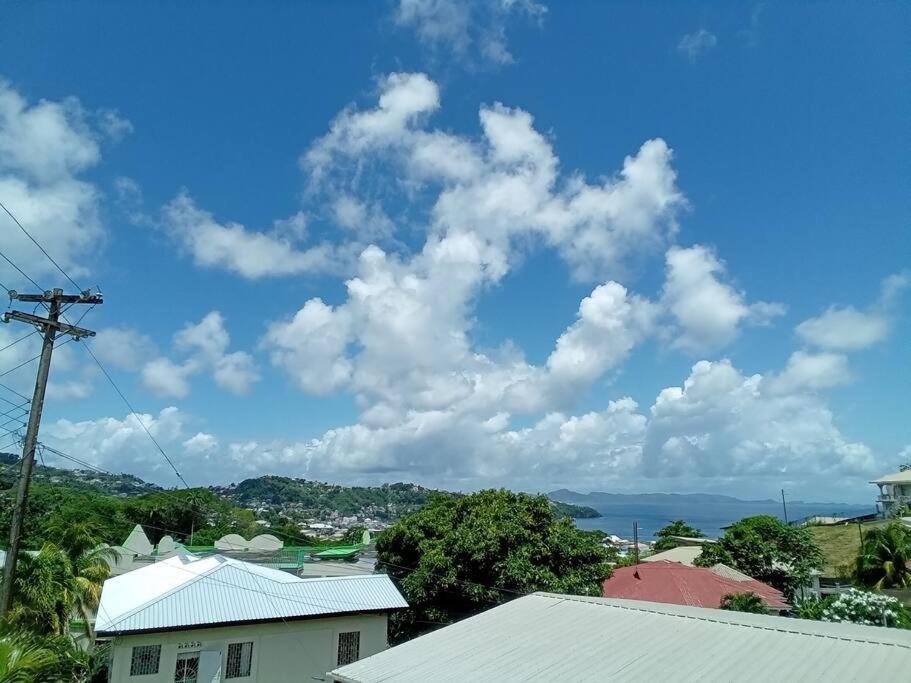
<point x="284" y="651"/>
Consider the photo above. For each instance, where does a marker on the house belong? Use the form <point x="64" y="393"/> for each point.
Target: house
<point x="550" y="637"/>
<point x="894" y="491"/>
<point x="678" y="584"/>
<point x="215" y="618"/>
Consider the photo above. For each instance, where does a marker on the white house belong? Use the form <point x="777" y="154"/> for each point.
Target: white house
<point x="894" y="491"/>
<point x="545" y="637"/>
<point x="189" y="619"/>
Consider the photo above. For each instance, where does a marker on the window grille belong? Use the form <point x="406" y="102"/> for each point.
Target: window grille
<point x="349" y="646"/>
<point x="187" y="669"/>
<point x="145" y="660"/>
<point x="240" y="657"/>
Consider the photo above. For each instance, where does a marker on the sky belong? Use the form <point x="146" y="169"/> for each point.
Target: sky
<point x="609" y="246"/>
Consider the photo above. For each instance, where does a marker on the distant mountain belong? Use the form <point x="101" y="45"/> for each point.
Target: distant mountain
<point x="707" y="511"/>
<point x="122" y="485"/>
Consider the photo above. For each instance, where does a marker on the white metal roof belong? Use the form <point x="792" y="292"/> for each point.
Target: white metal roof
<point x="897" y="478"/>
<point x="186" y="591"/>
<point x="548" y="637"/>
<point x="684" y="554"/>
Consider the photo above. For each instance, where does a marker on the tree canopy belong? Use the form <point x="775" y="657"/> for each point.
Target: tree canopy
<point x="458" y="556"/>
<point x="743" y="602"/>
<point x="767" y="549"/>
<point x="676" y="528"/>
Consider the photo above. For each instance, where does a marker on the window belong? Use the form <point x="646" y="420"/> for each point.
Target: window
<point x="145" y="660"/>
<point x="187" y="668"/>
<point x="349" y="647"/>
<point x="240" y="656"/>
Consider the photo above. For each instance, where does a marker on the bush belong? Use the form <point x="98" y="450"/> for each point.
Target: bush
<point x="857" y="606"/>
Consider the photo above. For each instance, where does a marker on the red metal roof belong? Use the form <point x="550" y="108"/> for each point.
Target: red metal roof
<point x="677" y="584"/>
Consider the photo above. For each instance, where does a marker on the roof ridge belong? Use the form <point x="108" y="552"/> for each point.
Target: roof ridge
<point x="603" y="602"/>
<point x="167" y="593"/>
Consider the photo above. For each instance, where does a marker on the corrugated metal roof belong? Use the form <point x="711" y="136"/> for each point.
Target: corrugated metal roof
<point x="678" y="584"/>
<point x="186" y="591"/>
<point x="684" y="554"/>
<point x="897" y="478"/>
<point x="547" y="637"/>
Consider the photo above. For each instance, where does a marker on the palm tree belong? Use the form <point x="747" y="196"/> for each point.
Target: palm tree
<point x="22" y="661"/>
<point x="90" y="563"/>
<point x="45" y="592"/>
<point x="885" y="557"/>
<point x="743" y="602"/>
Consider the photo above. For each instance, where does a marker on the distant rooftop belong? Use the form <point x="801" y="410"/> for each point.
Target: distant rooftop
<point x="903" y="477"/>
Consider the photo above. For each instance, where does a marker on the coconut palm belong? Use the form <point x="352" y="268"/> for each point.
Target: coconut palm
<point x="743" y="602"/>
<point x="885" y="557"/>
<point x="22" y="660"/>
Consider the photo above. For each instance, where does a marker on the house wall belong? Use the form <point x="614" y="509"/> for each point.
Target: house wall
<point x="283" y="651"/>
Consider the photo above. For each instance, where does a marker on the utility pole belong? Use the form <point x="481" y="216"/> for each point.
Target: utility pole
<point x="50" y="327"/>
<point x="784" y="507"/>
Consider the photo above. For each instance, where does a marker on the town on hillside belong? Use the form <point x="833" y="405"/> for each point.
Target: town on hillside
<point x="447" y="341"/>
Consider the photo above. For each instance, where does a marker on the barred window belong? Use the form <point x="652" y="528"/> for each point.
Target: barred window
<point x="240" y="657"/>
<point x="349" y="647"/>
<point x="145" y="660"/>
<point x="187" y="668"/>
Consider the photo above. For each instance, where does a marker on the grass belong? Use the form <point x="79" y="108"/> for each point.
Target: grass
<point x="840" y="546"/>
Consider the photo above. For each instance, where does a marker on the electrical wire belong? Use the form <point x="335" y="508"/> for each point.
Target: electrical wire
<point x="43" y="250"/>
<point x="21" y="272"/>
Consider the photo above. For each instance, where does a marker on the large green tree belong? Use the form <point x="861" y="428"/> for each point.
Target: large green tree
<point x="458" y="556"/>
<point x="884" y="557"/>
<point x="676" y="528"/>
<point x="767" y="549"/>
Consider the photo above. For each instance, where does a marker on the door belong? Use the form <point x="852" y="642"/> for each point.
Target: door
<point x="209" y="666"/>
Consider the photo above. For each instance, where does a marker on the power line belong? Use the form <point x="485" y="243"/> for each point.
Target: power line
<point x="136" y="415"/>
<point x="43" y="250"/>
<point x="21" y="272"/>
<point x="34" y="358"/>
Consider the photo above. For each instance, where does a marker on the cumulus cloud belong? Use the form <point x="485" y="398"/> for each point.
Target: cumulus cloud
<point x="205" y="347"/>
<point x="472" y="30"/>
<point x="45" y="147"/>
<point x="122" y="347"/>
<point x="696" y="44"/>
<point x="248" y="253"/>
<point x="709" y="312"/>
<point x="846" y="328"/>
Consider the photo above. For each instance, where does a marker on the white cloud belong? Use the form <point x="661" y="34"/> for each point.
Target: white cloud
<point x="232" y="246"/>
<point x="44" y="148"/>
<point x="849" y="329"/>
<point x="205" y="345"/>
<point x="470" y="29"/>
<point x="696" y="44"/>
<point x="122" y="347"/>
<point x="724" y="423"/>
<point x="708" y="311"/>
<point x="166" y="378"/>
<point x="113" y="124"/>
<point x="811" y="371"/>
<point x="201" y="443"/>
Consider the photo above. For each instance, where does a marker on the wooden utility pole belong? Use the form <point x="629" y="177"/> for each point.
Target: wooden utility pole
<point x="784" y="507"/>
<point x="50" y="327"/>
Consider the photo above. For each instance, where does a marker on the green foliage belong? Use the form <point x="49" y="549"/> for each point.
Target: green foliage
<point x="884" y="557"/>
<point x="676" y="528"/>
<point x="458" y="556"/>
<point x="768" y="550"/>
<point x="813" y="608"/>
<point x="743" y="602"/>
<point x="353" y="536"/>
<point x="23" y="659"/>
<point x="574" y="511"/>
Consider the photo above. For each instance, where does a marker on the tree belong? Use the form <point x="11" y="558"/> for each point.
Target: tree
<point x="883" y="561"/>
<point x="743" y="602"/>
<point x="458" y="556"/>
<point x="23" y="660"/>
<point x="767" y="549"/>
<point x="677" y="528"/>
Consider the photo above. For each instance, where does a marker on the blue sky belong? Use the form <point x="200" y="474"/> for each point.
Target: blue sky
<point x="746" y="282"/>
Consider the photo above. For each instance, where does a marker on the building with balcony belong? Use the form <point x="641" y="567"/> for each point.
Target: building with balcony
<point x="894" y="491"/>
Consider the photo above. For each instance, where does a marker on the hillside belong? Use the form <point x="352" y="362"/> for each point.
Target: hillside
<point x="306" y="498"/>
<point x="80" y="480"/>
